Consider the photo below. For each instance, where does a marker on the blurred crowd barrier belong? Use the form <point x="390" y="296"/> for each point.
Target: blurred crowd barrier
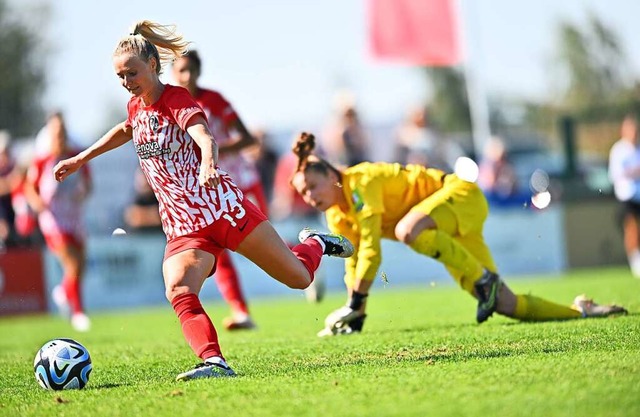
<point x="22" y="282"/>
<point x="125" y="271"/>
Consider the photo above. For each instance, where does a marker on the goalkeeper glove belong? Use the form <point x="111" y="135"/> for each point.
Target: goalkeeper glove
<point x="341" y="317"/>
<point x="354" y="326"/>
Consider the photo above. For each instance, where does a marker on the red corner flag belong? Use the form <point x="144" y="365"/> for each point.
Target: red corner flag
<point x="420" y="32"/>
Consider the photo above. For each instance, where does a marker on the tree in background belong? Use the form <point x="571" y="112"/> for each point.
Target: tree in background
<point x="592" y="67"/>
<point x="449" y="105"/>
<point x="592" y="80"/>
<point x="594" y="85"/>
<point x="22" y="71"/>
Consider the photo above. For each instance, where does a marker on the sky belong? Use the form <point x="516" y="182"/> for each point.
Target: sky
<point x="282" y="62"/>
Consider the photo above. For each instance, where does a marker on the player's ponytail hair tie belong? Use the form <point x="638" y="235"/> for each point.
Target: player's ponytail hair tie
<point x="135" y="29"/>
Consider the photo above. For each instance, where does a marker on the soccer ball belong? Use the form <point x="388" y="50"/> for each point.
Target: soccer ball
<point x="62" y="364"/>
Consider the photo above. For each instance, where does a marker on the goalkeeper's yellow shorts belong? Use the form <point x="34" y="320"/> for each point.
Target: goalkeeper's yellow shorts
<point x="463" y="199"/>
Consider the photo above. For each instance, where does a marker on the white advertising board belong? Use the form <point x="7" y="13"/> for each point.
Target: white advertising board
<point x="126" y="271"/>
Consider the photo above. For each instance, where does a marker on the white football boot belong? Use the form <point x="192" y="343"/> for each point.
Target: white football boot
<point x="588" y="308"/>
<point x="80" y="322"/>
<point x="214" y="367"/>
<point x="315" y="292"/>
<point x="334" y="244"/>
<point x="239" y="321"/>
<point x="59" y="298"/>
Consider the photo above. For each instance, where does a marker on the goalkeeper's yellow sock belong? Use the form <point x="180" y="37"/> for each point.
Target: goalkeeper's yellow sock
<point x="442" y="247"/>
<point x="532" y="308"/>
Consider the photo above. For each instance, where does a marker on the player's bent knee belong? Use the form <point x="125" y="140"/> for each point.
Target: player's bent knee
<point x="402" y="232"/>
<point x="299" y="281"/>
<point x="425" y="243"/>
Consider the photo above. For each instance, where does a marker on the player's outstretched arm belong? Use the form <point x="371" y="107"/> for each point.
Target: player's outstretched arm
<point x="198" y="130"/>
<point x="117" y="136"/>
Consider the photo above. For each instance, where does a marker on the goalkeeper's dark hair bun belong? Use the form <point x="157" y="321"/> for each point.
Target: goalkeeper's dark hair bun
<point x="303" y="148"/>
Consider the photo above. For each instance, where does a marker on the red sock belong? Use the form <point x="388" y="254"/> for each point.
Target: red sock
<point x="196" y="326"/>
<point x="71" y="286"/>
<point x="310" y="253"/>
<point x="229" y="283"/>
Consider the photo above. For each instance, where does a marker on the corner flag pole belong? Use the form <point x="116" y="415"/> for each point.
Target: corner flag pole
<point x="478" y="103"/>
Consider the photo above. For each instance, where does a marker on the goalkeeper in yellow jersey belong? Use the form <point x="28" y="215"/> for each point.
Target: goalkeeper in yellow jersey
<point x="436" y="214"/>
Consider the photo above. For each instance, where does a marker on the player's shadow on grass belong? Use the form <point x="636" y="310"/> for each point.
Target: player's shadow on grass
<point x="569" y="321"/>
<point x="430" y="327"/>
<point x="509" y="322"/>
<point x="456" y="354"/>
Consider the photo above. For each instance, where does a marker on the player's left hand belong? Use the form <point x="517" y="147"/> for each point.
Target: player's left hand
<point x="209" y="176"/>
<point x="343" y="321"/>
<point x="341" y="317"/>
<point x="66" y="167"/>
<point x="337" y="331"/>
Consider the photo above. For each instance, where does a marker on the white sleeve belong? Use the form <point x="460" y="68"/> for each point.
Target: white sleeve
<point x="617" y="158"/>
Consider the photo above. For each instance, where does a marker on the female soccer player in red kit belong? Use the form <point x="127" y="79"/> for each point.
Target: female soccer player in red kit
<point x="60" y="216"/>
<point x="203" y="212"/>
<point x="232" y="137"/>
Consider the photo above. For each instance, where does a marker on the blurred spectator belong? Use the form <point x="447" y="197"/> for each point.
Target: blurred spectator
<point x="624" y="172"/>
<point x="26" y="219"/>
<point x="286" y="202"/>
<point x="416" y="142"/>
<point x="265" y="158"/>
<point x="143" y="215"/>
<point x="7" y="177"/>
<point x="60" y="213"/>
<point x="497" y="176"/>
<point x="345" y="140"/>
<point x="42" y="144"/>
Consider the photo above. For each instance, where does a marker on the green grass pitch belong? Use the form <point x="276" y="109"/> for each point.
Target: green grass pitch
<point x="421" y="354"/>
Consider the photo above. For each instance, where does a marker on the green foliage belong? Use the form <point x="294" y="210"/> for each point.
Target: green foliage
<point x="593" y="78"/>
<point x="449" y="107"/>
<point x="22" y="70"/>
<point x="421" y="354"/>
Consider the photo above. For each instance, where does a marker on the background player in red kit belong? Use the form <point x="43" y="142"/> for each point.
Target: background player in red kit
<point x="232" y="137"/>
<point x="60" y="216"/>
<point x="203" y="212"/>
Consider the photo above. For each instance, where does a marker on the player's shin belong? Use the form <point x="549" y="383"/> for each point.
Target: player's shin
<point x="197" y="327"/>
<point x="531" y="308"/>
<point x="443" y="248"/>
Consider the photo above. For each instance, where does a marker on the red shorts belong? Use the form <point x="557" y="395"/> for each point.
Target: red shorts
<point x="55" y="241"/>
<point x="220" y="235"/>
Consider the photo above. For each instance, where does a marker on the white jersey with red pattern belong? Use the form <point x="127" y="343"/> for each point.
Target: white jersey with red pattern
<point x="170" y="160"/>
<point x="64" y="201"/>
<point x="220" y="116"/>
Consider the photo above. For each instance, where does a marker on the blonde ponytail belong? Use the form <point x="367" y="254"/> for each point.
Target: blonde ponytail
<point x="149" y="39"/>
